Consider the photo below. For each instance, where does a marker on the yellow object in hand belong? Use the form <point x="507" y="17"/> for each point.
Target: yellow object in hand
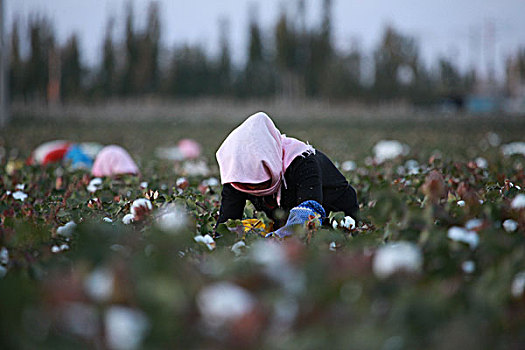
<point x="250" y="224"/>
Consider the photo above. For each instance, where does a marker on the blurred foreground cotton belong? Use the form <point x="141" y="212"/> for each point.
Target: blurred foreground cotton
<point x="397" y="257"/>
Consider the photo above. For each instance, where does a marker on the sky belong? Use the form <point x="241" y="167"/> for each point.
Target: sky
<point x="470" y="32"/>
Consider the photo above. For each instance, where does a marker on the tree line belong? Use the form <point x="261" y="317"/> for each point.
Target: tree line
<point x="297" y="62"/>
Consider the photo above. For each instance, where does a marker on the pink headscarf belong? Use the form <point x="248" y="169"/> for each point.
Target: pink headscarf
<point x="113" y="160"/>
<point x="256" y="152"/>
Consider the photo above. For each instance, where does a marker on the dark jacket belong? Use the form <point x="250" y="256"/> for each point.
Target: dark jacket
<point x="313" y="176"/>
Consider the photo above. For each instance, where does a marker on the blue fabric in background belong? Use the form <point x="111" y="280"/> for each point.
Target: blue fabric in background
<point x="298" y="216"/>
<point x="78" y="158"/>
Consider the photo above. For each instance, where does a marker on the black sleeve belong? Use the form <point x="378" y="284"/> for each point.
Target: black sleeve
<point x="308" y="177"/>
<point x="232" y="204"/>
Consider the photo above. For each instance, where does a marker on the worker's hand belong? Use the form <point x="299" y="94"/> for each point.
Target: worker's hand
<point x="299" y="215"/>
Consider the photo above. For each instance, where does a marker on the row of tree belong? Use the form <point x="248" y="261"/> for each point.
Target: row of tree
<point x="298" y="62"/>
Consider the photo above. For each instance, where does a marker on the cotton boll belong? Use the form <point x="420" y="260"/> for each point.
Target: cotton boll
<point x="4" y="256"/>
<point x="195" y="168"/>
<point x="128" y="219"/>
<point x="510" y="225"/>
<point x="389" y="149"/>
<point x="94" y="185"/>
<point x="348" y="222"/>
<point x="212" y="182"/>
<point x="223" y="302"/>
<point x="513" y="148"/>
<point x="182" y="183"/>
<point x="459" y="234"/>
<point x="140" y="207"/>
<point x="348" y="165"/>
<point x="106" y="219"/>
<point x="518" y="202"/>
<point x="99" y="284"/>
<point x="482" y="163"/>
<point x="67" y="229"/>
<point x="238" y="248"/>
<point x="19" y="195"/>
<point x="473" y="224"/>
<point x="518" y="285"/>
<point x="125" y="328"/>
<point x="268" y="254"/>
<point x="468" y="266"/>
<point x="172" y="218"/>
<point x="461" y="203"/>
<point x="395" y="257"/>
<point x="412" y="167"/>
<point x="207" y="239"/>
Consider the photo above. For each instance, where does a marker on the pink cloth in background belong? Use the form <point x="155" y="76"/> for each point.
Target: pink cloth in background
<point x="113" y="160"/>
<point x="189" y="148"/>
<point x="255" y="152"/>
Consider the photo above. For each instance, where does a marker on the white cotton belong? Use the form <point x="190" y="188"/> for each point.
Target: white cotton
<point x="143" y="203"/>
<point x="55" y="249"/>
<point x="128" y="219"/>
<point x="460" y="234"/>
<point x="207" y="239"/>
<point x="395" y="257"/>
<point x="348" y="165"/>
<point x="348" y="222"/>
<point x="223" y="302"/>
<point x="67" y="229"/>
<point x="332" y="246"/>
<point x="482" y="163"/>
<point x="389" y="149"/>
<point x="19" y="195"/>
<point x="412" y="167"/>
<point x="238" y="248"/>
<point x="106" y="219"/>
<point x="510" y="225"/>
<point x="212" y="182"/>
<point x="172" y="218"/>
<point x="473" y="224"/>
<point x="4" y="256"/>
<point x="518" y="285"/>
<point x="180" y="181"/>
<point x="461" y="203"/>
<point x="20" y="187"/>
<point x="125" y="328"/>
<point x="143" y="185"/>
<point x="513" y="148"/>
<point x="64" y="247"/>
<point x="99" y="284"/>
<point x="94" y="185"/>
<point x="195" y="168"/>
<point x="268" y="253"/>
<point x="518" y="202"/>
<point x="468" y="266"/>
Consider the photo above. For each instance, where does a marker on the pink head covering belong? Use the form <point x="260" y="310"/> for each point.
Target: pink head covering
<point x="256" y="152"/>
<point x="113" y="160"/>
